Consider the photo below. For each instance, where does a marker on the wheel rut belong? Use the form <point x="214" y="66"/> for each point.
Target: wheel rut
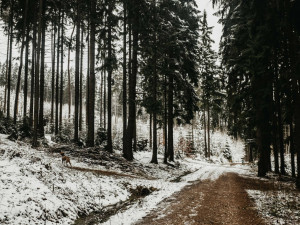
<point x="223" y="201"/>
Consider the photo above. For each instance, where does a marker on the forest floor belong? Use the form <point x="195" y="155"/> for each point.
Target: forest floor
<point x="103" y="188"/>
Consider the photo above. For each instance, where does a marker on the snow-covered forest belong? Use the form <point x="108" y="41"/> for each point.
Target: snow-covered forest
<point x="124" y="112"/>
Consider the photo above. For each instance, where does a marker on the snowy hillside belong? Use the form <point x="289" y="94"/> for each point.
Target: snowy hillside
<point x="35" y="186"/>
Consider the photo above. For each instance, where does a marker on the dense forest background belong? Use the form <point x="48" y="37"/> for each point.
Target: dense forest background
<point x="82" y="64"/>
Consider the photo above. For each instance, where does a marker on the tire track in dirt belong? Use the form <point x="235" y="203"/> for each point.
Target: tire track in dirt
<point x="224" y="201"/>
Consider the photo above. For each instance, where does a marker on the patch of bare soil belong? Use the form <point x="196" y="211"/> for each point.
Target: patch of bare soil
<point x="224" y="201"/>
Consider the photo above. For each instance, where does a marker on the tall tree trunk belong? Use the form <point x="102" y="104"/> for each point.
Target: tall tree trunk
<point x="80" y="81"/>
<point x="9" y="62"/>
<point x="150" y="129"/>
<point x="92" y="80"/>
<point x="154" y="155"/>
<point x="125" y="137"/>
<point x="124" y="71"/>
<point x="61" y="73"/>
<point x="104" y="102"/>
<point x="76" y="136"/>
<point x="42" y="79"/>
<point x="153" y="115"/>
<point x="205" y="132"/>
<point x="292" y="149"/>
<point x="101" y="98"/>
<point x="104" y="84"/>
<point x="296" y="108"/>
<point x="69" y="74"/>
<point x="134" y="132"/>
<point x="57" y="76"/>
<point x="109" y="79"/>
<point x="165" y="132"/>
<point x="32" y="88"/>
<point x="87" y="78"/>
<point x="208" y="131"/>
<point x="275" y="141"/>
<point x="37" y="74"/>
<point x="297" y="134"/>
<point x="262" y="99"/>
<point x="53" y="73"/>
<point x="280" y="126"/>
<point x="6" y="71"/>
<point x="21" y="63"/>
<point x="26" y="75"/>
<point x="170" y="117"/>
<point x="132" y="82"/>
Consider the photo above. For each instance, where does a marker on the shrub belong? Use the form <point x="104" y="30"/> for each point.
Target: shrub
<point x="101" y="136"/>
<point x="141" y="145"/>
<point x="227" y="153"/>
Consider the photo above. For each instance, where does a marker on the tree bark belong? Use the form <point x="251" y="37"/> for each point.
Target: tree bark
<point x="297" y="134"/>
<point x="32" y="88"/>
<point x="10" y="62"/>
<point x="154" y="113"/>
<point x="53" y="74"/>
<point x="92" y="80"/>
<point x="87" y="77"/>
<point x="101" y="98"/>
<point x="42" y="79"/>
<point x="26" y="75"/>
<point x="57" y="76"/>
<point x="275" y="142"/>
<point x="104" y="101"/>
<point x="132" y="83"/>
<point x="205" y="131"/>
<point x="208" y="131"/>
<point x="109" y="79"/>
<point x="69" y="75"/>
<point x="61" y="73"/>
<point x="124" y="71"/>
<point x="165" y="132"/>
<point x="150" y="129"/>
<point x="292" y="149"/>
<point x="170" y="117"/>
<point x="37" y="74"/>
<point x="80" y="81"/>
<point x="6" y="71"/>
<point x="76" y="110"/>
<point x="279" y="122"/>
<point x="262" y="99"/>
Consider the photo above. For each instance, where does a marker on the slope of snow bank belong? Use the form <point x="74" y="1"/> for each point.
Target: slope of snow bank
<point x="35" y="187"/>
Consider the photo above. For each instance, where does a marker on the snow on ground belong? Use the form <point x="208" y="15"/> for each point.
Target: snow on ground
<point x="36" y="187"/>
<point x="278" y="207"/>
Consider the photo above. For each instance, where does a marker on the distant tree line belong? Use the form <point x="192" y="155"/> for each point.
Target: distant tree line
<point x="166" y="49"/>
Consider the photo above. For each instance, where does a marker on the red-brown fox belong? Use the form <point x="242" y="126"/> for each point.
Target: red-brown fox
<point x="65" y="159"/>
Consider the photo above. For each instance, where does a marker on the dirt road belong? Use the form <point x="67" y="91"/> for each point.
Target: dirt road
<point x="224" y="201"/>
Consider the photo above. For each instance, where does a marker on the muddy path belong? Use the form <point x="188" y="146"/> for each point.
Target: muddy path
<point x="224" y="201"/>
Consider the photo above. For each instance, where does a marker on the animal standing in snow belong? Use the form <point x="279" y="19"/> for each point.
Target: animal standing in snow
<point x="65" y="159"/>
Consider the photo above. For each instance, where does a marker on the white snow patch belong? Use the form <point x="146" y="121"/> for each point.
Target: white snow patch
<point x="278" y="207"/>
